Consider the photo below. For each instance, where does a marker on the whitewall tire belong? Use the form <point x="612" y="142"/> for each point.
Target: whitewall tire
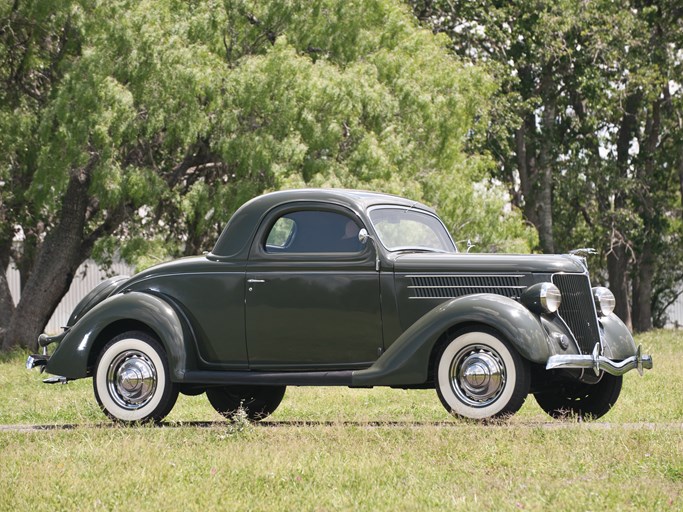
<point x="478" y="375"/>
<point x="132" y="380"/>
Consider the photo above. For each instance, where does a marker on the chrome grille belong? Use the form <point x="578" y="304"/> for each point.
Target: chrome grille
<point x="451" y="286"/>
<point x="578" y="310"/>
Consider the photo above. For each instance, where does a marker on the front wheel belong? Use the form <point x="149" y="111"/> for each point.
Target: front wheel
<point x="590" y="401"/>
<point x="257" y="402"/>
<point x="479" y="376"/>
<point x="132" y="382"/>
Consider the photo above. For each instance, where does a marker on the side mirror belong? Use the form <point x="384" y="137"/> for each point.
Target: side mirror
<point x="363" y="237"/>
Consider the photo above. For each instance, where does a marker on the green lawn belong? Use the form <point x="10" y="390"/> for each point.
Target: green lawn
<point x="342" y="449"/>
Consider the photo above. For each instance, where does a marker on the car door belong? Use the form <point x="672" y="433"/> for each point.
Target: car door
<point x="312" y="292"/>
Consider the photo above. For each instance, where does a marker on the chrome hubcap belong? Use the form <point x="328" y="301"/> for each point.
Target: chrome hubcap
<point x="477" y="375"/>
<point x="132" y="379"/>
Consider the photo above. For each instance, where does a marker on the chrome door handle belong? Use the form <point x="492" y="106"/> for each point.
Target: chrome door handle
<point x="256" y="280"/>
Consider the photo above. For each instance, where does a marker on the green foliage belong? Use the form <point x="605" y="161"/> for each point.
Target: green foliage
<point x="590" y="94"/>
<point x="181" y="112"/>
<point x="137" y="128"/>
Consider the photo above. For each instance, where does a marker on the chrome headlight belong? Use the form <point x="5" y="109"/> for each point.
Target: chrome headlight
<point x="604" y="300"/>
<point x="542" y="298"/>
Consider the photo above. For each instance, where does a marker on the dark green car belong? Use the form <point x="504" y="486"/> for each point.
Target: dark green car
<point x="347" y="288"/>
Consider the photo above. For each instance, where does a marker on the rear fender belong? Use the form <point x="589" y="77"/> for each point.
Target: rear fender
<point x="72" y="356"/>
<point x="407" y="360"/>
<point x="96" y="295"/>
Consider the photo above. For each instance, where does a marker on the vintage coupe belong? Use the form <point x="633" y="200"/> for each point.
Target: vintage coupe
<point x="347" y="288"/>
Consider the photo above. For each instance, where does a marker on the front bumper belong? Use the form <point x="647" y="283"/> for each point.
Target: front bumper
<point x="600" y="363"/>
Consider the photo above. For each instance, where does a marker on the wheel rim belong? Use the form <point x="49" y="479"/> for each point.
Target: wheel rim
<point x="477" y="375"/>
<point x="131" y="379"/>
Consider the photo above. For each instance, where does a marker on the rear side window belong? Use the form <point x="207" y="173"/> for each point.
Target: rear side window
<point x="282" y="234"/>
<point x="309" y="231"/>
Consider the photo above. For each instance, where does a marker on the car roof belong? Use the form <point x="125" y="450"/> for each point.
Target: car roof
<point x="246" y="219"/>
<point x="351" y="197"/>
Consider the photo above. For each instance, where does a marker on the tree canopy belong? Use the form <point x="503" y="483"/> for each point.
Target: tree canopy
<point x="137" y="128"/>
<point x="586" y="130"/>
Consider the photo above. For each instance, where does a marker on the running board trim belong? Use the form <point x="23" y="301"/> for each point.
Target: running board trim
<point x="256" y="378"/>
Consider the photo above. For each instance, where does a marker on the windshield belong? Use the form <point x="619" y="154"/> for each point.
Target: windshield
<point x="404" y="229"/>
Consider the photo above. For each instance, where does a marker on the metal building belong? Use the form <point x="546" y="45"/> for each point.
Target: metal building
<point x="675" y="314"/>
<point x="87" y="277"/>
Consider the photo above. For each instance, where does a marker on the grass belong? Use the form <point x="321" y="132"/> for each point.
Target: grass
<point x="341" y="449"/>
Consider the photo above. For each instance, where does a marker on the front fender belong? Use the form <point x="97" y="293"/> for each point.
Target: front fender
<point x="407" y="359"/>
<point x="71" y="357"/>
<point x="618" y="341"/>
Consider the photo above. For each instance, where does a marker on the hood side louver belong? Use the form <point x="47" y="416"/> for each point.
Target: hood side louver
<point x="452" y="286"/>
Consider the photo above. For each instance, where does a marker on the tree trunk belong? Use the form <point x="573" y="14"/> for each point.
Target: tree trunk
<point x="642" y="292"/>
<point x="642" y="285"/>
<point x="57" y="261"/>
<point x="544" y="185"/>
<point x="527" y="174"/>
<point x="534" y="164"/>
<point x="545" y="211"/>
<point x="530" y="181"/>
<point x="25" y="259"/>
<point x="680" y="177"/>
<point x="617" y="268"/>
<point x="618" y="260"/>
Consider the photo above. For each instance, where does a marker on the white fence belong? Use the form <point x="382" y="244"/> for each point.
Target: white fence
<point x="87" y="277"/>
<point x="675" y="314"/>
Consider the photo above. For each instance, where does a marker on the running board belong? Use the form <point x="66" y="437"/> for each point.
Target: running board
<point x="330" y="378"/>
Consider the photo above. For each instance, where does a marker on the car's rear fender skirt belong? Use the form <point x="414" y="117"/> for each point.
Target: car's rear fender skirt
<point x="407" y="360"/>
<point x="72" y="357"/>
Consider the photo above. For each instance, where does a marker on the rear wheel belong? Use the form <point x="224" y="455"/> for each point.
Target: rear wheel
<point x="258" y="402"/>
<point x="582" y="400"/>
<point x="132" y="381"/>
<point x="479" y="376"/>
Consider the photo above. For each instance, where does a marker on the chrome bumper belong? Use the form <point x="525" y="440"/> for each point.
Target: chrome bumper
<point x="600" y="363"/>
<point x="37" y="360"/>
<point x="40" y="361"/>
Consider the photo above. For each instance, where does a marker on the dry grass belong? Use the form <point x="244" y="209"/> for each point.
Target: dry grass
<point x="341" y="449"/>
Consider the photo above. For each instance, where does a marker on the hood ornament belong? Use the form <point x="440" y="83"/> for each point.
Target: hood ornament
<point x="581" y="254"/>
<point x="583" y="251"/>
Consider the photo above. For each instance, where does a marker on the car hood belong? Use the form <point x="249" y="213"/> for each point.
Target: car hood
<point x="461" y="262"/>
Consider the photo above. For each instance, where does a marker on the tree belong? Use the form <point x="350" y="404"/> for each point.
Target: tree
<point x="139" y="127"/>
<point x="586" y="129"/>
<point x="519" y="45"/>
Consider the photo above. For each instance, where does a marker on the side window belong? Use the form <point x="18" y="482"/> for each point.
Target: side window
<point x="281" y="235"/>
<point x="311" y="231"/>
